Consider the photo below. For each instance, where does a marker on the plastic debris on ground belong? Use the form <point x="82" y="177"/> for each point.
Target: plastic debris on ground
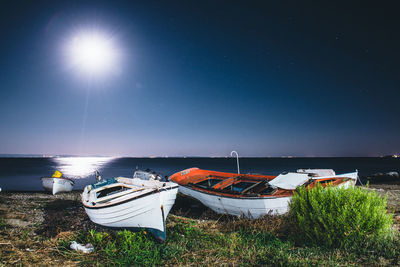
<point x="88" y="248"/>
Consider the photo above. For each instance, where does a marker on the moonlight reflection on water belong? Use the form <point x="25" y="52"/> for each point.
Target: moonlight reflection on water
<point x="81" y="167"/>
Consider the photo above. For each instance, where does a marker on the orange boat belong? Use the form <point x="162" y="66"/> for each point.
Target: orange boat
<point x="252" y="195"/>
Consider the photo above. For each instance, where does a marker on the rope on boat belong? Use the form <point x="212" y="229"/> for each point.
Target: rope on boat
<point x="359" y="179"/>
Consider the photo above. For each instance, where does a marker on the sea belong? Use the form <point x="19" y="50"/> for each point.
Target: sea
<point x="24" y="173"/>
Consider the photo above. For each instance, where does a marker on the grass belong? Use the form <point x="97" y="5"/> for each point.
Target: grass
<point x="208" y="240"/>
<point x="2" y="224"/>
<point x="192" y="242"/>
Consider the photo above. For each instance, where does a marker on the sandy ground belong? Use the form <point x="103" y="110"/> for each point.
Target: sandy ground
<point x="393" y="196"/>
<point x="30" y="225"/>
<point x="32" y="222"/>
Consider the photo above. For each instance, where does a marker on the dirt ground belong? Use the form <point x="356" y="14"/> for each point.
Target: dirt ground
<point x="393" y="198"/>
<point x="31" y="223"/>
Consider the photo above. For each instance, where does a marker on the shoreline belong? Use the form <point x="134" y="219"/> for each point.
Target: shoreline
<point x="32" y="224"/>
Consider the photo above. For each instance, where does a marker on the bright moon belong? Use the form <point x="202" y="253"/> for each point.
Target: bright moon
<point x="92" y="53"/>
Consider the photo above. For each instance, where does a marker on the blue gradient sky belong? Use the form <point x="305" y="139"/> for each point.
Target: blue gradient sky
<point x="203" y="78"/>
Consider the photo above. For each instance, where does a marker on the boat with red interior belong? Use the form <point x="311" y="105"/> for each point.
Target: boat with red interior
<point x="253" y="195"/>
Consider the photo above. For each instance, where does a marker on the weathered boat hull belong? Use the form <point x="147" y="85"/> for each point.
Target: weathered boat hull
<point x="251" y="208"/>
<point x="147" y="209"/>
<point x="143" y="212"/>
<point x="348" y="184"/>
<point x="251" y="196"/>
<point x="57" y="185"/>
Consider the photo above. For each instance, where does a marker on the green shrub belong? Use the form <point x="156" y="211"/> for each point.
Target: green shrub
<point x="339" y="217"/>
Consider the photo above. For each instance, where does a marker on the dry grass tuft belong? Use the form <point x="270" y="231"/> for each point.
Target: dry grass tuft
<point x="277" y="225"/>
<point x="65" y="235"/>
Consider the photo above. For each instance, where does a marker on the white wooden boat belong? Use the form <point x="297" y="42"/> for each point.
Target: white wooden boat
<point x="57" y="185"/>
<point x="146" y="175"/>
<point x="130" y="203"/>
<point x="250" y="196"/>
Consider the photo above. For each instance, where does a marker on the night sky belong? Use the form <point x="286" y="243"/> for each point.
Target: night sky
<point x="203" y="78"/>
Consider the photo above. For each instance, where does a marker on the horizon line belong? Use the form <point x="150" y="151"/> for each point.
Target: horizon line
<point x="12" y="155"/>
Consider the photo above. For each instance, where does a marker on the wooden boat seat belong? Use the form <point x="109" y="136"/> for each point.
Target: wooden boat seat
<point x="253" y="186"/>
<point x="119" y="194"/>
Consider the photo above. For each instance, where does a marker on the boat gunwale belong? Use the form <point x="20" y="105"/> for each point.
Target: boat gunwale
<point x="107" y="205"/>
<point x="234" y="195"/>
<point x="64" y="178"/>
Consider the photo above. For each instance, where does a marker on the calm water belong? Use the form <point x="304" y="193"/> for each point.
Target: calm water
<point x="23" y="174"/>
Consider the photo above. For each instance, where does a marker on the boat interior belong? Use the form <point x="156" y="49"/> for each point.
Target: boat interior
<point x="114" y="191"/>
<point x="115" y="188"/>
<point x="243" y="185"/>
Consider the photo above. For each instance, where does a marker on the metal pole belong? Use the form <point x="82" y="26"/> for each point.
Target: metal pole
<point x="237" y="159"/>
